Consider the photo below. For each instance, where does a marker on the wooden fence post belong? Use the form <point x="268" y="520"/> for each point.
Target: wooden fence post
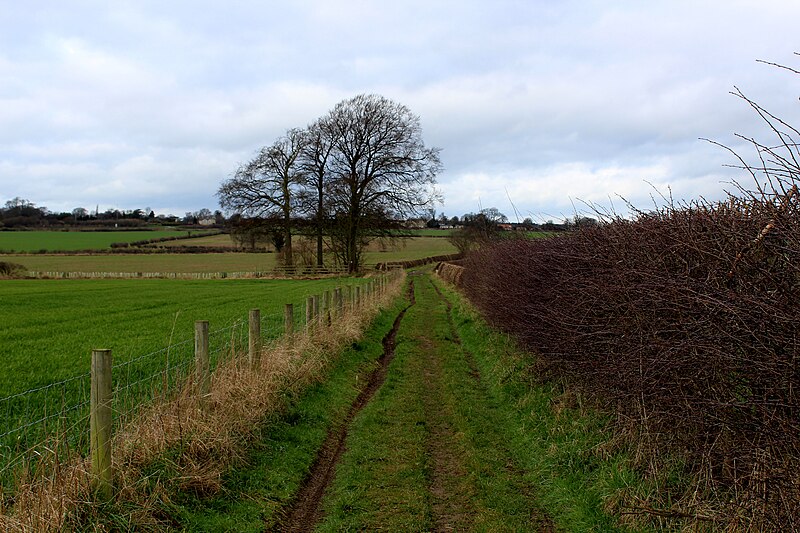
<point x="100" y="424"/>
<point x="288" y="319"/>
<point x="326" y="308"/>
<point x="316" y="318"/>
<point x="309" y="311"/>
<point x="254" y="338"/>
<point x="357" y="298"/>
<point x="337" y="295"/>
<point x="201" y="359"/>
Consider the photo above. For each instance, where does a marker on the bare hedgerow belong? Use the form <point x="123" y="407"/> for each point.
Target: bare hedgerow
<point x="685" y="321"/>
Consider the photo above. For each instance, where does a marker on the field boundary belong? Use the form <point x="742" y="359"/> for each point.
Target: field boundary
<point x="53" y="420"/>
<point x="277" y="273"/>
<point x="450" y="273"/>
<point x="417" y="262"/>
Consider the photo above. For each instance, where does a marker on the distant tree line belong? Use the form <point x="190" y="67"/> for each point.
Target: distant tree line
<point x="22" y="213"/>
<point x="493" y="217"/>
<point x="473" y="230"/>
<point x="349" y="177"/>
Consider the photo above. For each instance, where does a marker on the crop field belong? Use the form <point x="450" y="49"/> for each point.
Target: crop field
<point x="402" y="250"/>
<point x="34" y="241"/>
<point x="50" y="326"/>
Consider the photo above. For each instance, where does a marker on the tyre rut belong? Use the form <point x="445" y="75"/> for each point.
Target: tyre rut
<point x="306" y="511"/>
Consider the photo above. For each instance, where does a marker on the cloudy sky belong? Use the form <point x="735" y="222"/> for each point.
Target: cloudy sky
<point x="547" y="104"/>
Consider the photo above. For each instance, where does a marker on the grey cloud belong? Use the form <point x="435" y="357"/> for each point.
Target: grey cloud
<point x="124" y="104"/>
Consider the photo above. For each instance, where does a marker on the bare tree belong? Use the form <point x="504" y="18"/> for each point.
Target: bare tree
<point x="378" y="168"/>
<point x="266" y="186"/>
<point x="314" y="161"/>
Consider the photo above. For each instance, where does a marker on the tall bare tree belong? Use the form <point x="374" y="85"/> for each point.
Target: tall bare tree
<point x="266" y="186"/>
<point x="378" y="168"/>
<point x="314" y="162"/>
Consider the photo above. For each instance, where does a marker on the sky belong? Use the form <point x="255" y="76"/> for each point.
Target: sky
<point x="541" y="108"/>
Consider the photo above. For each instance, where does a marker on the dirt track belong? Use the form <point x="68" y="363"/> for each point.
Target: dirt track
<point x="306" y="510"/>
<point x="455" y="411"/>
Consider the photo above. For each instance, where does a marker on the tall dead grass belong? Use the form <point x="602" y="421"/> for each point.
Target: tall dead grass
<point x="181" y="445"/>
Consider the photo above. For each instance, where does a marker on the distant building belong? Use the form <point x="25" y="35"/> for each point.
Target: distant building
<point x="415" y="223"/>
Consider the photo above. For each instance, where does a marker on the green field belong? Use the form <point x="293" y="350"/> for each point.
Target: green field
<point x="214" y="262"/>
<point x="220" y="240"/>
<point x="34" y="241"/>
<point x="50" y="326"/>
<point x="431" y="232"/>
<point x="401" y="250"/>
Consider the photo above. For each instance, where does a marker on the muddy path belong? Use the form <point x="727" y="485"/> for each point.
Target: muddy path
<point x="306" y="511"/>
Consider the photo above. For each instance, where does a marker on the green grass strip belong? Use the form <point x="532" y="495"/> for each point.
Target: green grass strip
<point x="426" y="454"/>
<point x="557" y="445"/>
<point x="461" y="437"/>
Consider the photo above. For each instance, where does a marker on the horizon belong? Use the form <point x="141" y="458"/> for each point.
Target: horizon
<point x="541" y="110"/>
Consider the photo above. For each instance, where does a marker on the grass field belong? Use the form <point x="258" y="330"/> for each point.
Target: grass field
<point x="404" y="249"/>
<point x="33" y="241"/>
<point x="224" y="240"/>
<point x="221" y="240"/>
<point x="50" y="326"/>
<point x="432" y="232"/>
<point x="215" y="262"/>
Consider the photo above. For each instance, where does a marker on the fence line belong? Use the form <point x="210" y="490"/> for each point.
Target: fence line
<point x="276" y="272"/>
<point x="39" y="420"/>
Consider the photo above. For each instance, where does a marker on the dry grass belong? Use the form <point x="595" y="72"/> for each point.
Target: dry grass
<point x="180" y="443"/>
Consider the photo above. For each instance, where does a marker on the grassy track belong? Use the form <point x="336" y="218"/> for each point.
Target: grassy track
<point x="426" y="454"/>
<point x="257" y="495"/>
<point x="458" y="437"/>
<point x="33" y="241"/>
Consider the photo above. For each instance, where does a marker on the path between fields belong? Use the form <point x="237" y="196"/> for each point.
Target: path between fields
<point x="453" y="495"/>
<point x="306" y="510"/>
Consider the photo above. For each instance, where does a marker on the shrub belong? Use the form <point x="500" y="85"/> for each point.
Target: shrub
<point x="685" y="321"/>
<point x="12" y="270"/>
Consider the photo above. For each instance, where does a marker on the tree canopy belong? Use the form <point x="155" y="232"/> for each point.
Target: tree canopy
<point x="351" y="173"/>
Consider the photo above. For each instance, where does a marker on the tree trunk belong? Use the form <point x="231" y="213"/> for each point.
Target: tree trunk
<point x="287" y="237"/>
<point x="352" y="246"/>
<point x="319" y="230"/>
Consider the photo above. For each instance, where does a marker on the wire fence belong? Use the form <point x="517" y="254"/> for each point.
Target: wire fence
<point x="271" y="273"/>
<point x="40" y="422"/>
